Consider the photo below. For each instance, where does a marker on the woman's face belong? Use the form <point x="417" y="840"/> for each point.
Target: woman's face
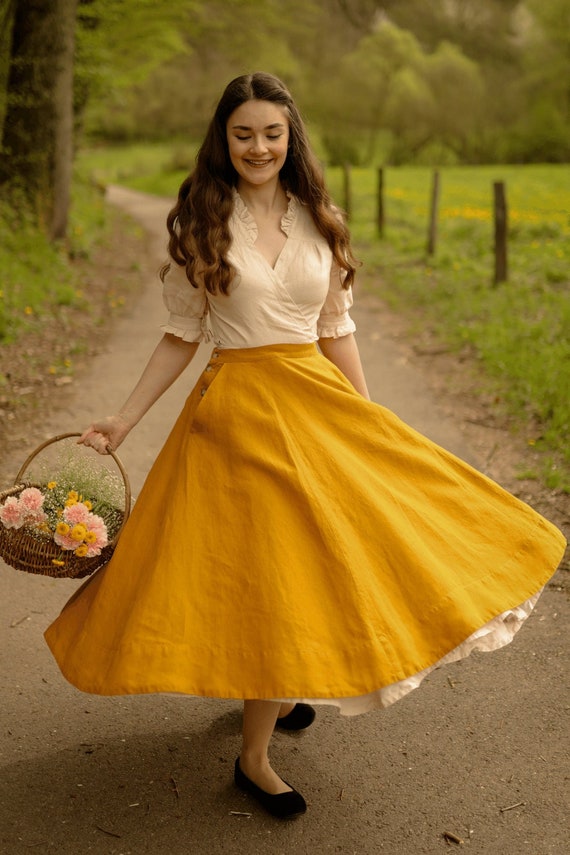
<point x="258" y="134"/>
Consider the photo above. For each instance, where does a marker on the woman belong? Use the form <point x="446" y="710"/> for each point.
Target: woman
<point x="294" y="543"/>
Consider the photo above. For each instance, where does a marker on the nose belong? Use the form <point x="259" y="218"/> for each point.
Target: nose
<point x="258" y="145"/>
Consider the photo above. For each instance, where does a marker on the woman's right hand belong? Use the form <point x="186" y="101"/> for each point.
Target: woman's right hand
<point x="106" y="434"/>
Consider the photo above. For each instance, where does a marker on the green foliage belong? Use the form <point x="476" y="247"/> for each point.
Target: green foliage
<point x="450" y="80"/>
<point x="429" y="83"/>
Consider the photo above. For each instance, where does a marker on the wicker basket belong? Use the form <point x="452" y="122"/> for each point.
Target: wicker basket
<point x="22" y="549"/>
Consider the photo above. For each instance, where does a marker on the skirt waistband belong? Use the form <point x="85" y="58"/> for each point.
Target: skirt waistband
<point x="267" y="351"/>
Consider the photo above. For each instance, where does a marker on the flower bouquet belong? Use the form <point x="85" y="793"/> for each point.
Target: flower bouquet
<point x="65" y="520"/>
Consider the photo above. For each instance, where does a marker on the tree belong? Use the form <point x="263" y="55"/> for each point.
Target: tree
<point x="37" y="139"/>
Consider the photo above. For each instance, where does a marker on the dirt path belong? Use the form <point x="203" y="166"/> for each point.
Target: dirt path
<point x="480" y="751"/>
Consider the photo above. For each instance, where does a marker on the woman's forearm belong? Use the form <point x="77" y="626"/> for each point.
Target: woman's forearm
<point x="169" y="359"/>
<point x="343" y="352"/>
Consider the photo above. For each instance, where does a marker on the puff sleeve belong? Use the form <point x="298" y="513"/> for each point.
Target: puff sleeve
<point x="334" y="320"/>
<point x="187" y="306"/>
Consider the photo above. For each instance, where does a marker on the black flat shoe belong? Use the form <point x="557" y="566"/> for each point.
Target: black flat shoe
<point x="281" y="805"/>
<point x="300" y="717"/>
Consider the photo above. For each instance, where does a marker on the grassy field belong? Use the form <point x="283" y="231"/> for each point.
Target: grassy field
<point x="518" y="331"/>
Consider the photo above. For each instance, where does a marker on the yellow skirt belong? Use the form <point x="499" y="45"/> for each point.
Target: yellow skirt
<point x="294" y="540"/>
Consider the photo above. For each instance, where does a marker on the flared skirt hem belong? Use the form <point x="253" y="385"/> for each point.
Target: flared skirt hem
<point x="293" y="537"/>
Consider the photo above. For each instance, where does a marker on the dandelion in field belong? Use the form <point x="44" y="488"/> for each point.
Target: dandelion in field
<point x="466" y="212"/>
<point x="28" y="310"/>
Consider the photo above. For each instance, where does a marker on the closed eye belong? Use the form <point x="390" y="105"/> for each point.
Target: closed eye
<point x="269" y="137"/>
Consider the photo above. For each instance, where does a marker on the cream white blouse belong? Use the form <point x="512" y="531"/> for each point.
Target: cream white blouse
<point x="297" y="301"/>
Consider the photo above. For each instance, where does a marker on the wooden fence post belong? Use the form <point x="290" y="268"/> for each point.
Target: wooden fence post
<point x="380" y="209"/>
<point x="433" y="213"/>
<point x="501" y="221"/>
<point x="347" y="191"/>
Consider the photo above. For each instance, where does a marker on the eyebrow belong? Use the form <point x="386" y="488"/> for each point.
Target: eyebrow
<point x="266" y="128"/>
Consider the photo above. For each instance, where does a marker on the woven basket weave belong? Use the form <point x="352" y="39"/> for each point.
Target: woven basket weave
<point x="24" y="550"/>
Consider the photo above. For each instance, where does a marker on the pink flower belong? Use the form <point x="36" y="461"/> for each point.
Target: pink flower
<point x="11" y="513"/>
<point x="98" y="529"/>
<point x="31" y="502"/>
<point x="31" y="499"/>
<point x="65" y="541"/>
<point x="75" y="514"/>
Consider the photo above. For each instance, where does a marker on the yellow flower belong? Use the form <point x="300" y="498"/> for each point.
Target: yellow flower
<point x="57" y="562"/>
<point x="28" y="310"/>
<point x="90" y="537"/>
<point x="88" y="505"/>
<point x="70" y="502"/>
<point x="78" y="532"/>
<point x="62" y="528"/>
<point x="73" y="495"/>
<point x="81" y="551"/>
<point x="52" y="485"/>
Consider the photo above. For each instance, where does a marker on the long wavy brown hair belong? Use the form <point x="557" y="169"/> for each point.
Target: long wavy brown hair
<point x="198" y="223"/>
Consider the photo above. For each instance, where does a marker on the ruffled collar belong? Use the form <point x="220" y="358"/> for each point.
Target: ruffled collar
<point x="244" y="216"/>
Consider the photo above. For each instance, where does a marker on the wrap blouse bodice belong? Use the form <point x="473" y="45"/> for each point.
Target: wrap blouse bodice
<point x="298" y="300"/>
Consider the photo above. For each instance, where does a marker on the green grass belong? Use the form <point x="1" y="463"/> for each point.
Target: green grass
<point x="38" y="277"/>
<point x="157" y="168"/>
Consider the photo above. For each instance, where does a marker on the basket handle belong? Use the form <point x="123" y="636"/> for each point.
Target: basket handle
<point x="118" y="463"/>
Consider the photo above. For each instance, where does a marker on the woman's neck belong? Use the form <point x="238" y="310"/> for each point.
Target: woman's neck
<point x="265" y="199"/>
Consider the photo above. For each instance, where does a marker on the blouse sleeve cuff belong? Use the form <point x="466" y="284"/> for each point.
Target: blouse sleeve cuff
<point x="335" y="326"/>
<point x="188" y="329"/>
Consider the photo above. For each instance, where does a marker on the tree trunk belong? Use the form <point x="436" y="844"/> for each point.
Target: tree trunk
<point x="7" y="10"/>
<point x="37" y="142"/>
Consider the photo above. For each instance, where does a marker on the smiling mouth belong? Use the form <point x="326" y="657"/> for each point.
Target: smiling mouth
<point x="258" y="163"/>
